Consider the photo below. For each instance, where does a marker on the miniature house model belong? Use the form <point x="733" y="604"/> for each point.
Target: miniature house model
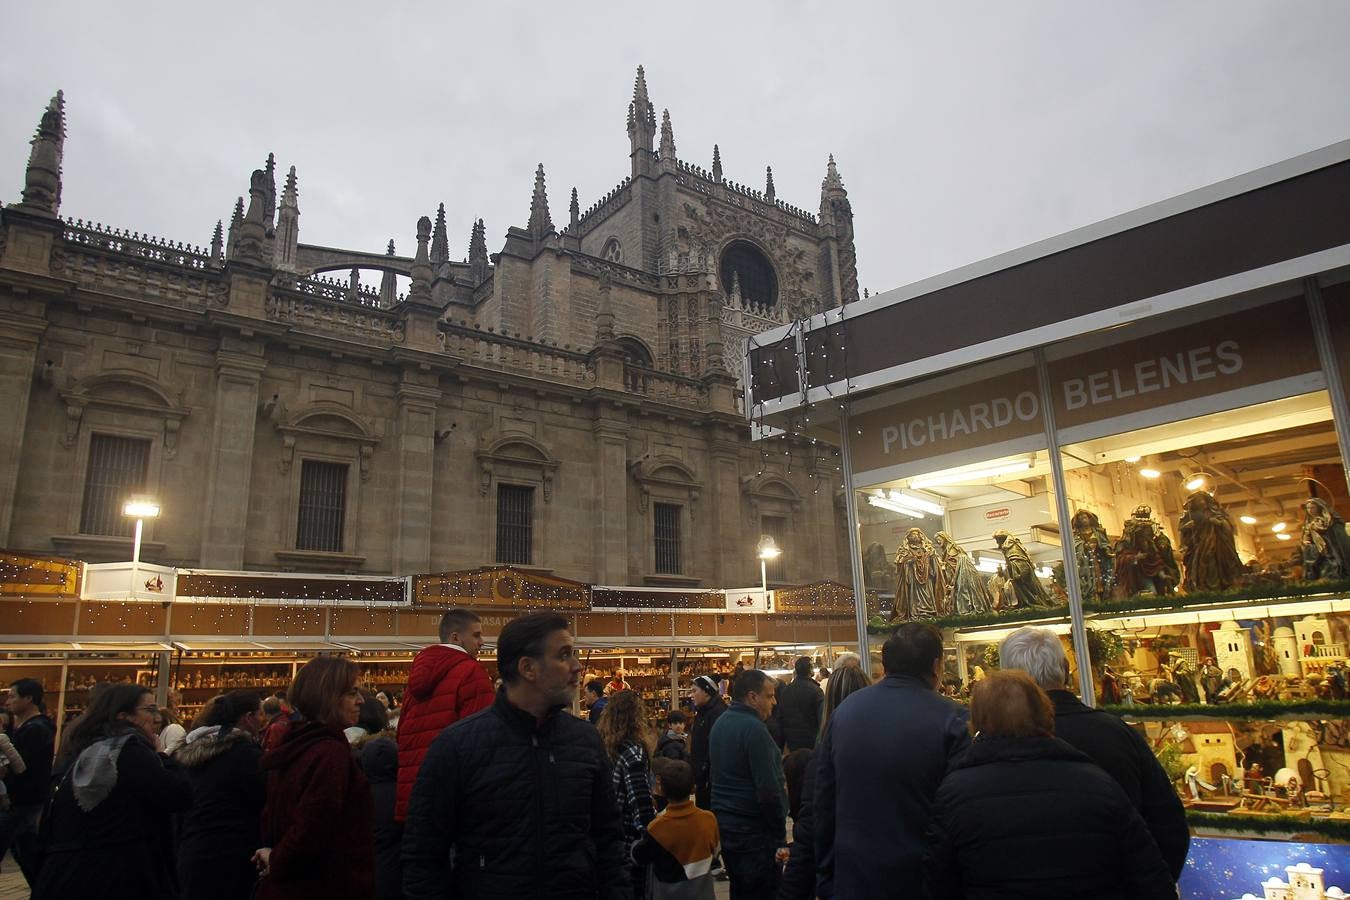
<point x="1211" y="747"/>
<point x="1315" y="645"/>
<point x="1305" y="883"/>
<point x="1233" y="649"/>
<point x="1286" y="650"/>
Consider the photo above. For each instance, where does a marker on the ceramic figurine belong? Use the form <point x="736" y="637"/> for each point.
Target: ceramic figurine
<point x="1211" y="679"/>
<point x="1144" y="561"/>
<point x="919" y="591"/>
<point x="1027" y="589"/>
<point x="1094" y="556"/>
<point x="1207" y="545"/>
<point x="1326" y="547"/>
<point x="967" y="594"/>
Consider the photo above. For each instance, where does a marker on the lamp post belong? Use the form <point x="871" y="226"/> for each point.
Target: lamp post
<point x="140" y="510"/>
<point x="767" y="549"/>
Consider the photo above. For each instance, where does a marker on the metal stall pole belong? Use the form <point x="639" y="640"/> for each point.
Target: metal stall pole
<point x="674" y="679"/>
<point x="1326" y="353"/>
<point x="854" y="550"/>
<point x="1078" y="627"/>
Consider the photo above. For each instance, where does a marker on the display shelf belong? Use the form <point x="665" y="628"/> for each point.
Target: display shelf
<point x="1335" y="825"/>
<point x="1274" y="709"/>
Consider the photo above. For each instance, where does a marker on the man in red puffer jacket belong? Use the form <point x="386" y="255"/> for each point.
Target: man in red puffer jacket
<point x="446" y="684"/>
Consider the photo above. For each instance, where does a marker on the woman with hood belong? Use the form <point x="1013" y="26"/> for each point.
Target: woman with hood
<point x="317" y="834"/>
<point x="217" y="837"/>
<point x="107" y="833"/>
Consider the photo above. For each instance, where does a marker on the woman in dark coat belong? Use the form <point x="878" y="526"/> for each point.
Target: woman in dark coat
<point x="217" y="837"/>
<point x="708" y="705"/>
<point x="108" y="832"/>
<point x="1024" y="814"/>
<point x="317" y="832"/>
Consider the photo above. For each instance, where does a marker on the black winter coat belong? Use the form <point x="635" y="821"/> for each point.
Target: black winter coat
<point x="219" y="834"/>
<point x="704" y="718"/>
<point x="36" y="742"/>
<point x="799" y="875"/>
<point x="123" y="847"/>
<point x="379" y="760"/>
<point x="885" y="750"/>
<point x="800" y="705"/>
<point x="1126" y="757"/>
<point x="524" y="807"/>
<point x="1035" y="818"/>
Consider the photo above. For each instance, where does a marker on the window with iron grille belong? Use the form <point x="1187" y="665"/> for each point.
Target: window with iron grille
<point x="117" y="469"/>
<point x="323" y="506"/>
<point x="515" y="522"/>
<point x="776" y="528"/>
<point x="667" y="517"/>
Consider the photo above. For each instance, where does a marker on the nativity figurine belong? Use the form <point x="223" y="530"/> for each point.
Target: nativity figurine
<point x="1144" y="561"/>
<point x="1208" y="550"/>
<point x="919" y="590"/>
<point x="1094" y="557"/>
<point x="967" y="593"/>
<point x="1326" y="547"/>
<point x="1027" y="592"/>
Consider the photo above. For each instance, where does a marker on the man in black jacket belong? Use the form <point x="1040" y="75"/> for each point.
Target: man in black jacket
<point x="35" y="738"/>
<point x="708" y="705"/>
<point x="515" y="800"/>
<point x="799" y="708"/>
<point x="1105" y="739"/>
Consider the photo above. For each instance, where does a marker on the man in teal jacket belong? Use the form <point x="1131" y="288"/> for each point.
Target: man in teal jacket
<point x="748" y="796"/>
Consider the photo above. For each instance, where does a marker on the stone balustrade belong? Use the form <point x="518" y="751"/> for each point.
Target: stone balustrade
<point x="488" y="350"/>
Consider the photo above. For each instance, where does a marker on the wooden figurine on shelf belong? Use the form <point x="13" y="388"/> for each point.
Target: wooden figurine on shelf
<point x="1094" y="556"/>
<point x="1144" y="561"/>
<point x="1208" y="549"/>
<point x="1326" y="547"/>
<point x="1027" y="589"/>
<point x="967" y="594"/>
<point x="919" y="591"/>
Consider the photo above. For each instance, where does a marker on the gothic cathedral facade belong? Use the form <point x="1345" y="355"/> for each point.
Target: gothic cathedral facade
<point x="569" y="403"/>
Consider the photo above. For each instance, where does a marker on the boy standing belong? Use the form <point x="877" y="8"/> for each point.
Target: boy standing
<point x="675" y="743"/>
<point x="681" y="843"/>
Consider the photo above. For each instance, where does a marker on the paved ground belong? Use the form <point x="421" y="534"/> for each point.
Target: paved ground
<point x="13" y="887"/>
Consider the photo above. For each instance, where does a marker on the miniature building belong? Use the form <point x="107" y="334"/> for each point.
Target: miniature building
<point x="1316" y="647"/>
<point x="1305" y="883"/>
<point x="1286" y="650"/>
<point x="1233" y="649"/>
<point x="1212" y="747"/>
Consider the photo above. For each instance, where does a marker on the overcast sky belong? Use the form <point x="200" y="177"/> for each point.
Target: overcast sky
<point x="961" y="129"/>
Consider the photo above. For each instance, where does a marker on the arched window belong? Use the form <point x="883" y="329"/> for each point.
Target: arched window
<point x="746" y="263"/>
<point x="613" y="250"/>
<point x="635" y="352"/>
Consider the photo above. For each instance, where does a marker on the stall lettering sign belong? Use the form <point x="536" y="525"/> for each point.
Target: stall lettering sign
<point x="980" y="416"/>
<point x="1155" y="374"/>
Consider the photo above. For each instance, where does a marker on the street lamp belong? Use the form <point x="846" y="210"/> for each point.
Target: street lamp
<point x="767" y="549"/>
<point x="140" y="510"/>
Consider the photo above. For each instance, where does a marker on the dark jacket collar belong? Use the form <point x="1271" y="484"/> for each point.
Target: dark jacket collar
<point x="739" y="707"/>
<point x="908" y="681"/>
<point x="521" y="721"/>
<point x="1066" y="704"/>
<point x="712" y="704"/>
<point x="985" y="750"/>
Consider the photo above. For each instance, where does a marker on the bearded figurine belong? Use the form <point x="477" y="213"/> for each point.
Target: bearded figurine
<point x="1095" y="558"/>
<point x="1208" y="550"/>
<point x="1027" y="590"/>
<point x="1326" y="548"/>
<point x="1145" y="562"/>
<point x="967" y="594"/>
<point x="919" y="591"/>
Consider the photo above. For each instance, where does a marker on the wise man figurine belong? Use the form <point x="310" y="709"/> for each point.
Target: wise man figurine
<point x="1145" y="562"/>
<point x="1026" y="586"/>
<point x="1094" y="555"/>
<point x="1208" y="545"/>
<point x="919" y="592"/>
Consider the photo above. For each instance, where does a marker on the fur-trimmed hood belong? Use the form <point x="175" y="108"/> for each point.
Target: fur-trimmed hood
<point x="205" y="744"/>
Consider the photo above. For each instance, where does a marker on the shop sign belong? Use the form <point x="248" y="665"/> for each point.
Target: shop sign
<point x="112" y="581"/>
<point x="749" y="600"/>
<point x="970" y="415"/>
<point x="997" y="514"/>
<point x="1240" y="350"/>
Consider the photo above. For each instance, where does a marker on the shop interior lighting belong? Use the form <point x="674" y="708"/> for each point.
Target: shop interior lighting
<point x="1133" y="459"/>
<point x="1247" y="520"/>
<point x="1196" y="483"/>
<point x="883" y="502"/>
<point x="969" y="476"/>
<point x="988" y="564"/>
<point x="913" y="501"/>
<point x="1150" y="473"/>
<point x="1284" y="537"/>
<point x="1278" y="527"/>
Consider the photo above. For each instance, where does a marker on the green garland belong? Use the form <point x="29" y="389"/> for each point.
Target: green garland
<point x="1143" y="603"/>
<point x="1336" y="830"/>
<point x="1260" y="709"/>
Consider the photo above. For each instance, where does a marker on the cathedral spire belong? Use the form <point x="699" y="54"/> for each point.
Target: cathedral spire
<point x="717" y="164"/>
<point x="218" y="242"/>
<point x="288" y="225"/>
<point x="768" y="183"/>
<point x="479" y="264"/>
<point x="420" y="289"/>
<point x="42" y="178"/>
<point x="540" y="221"/>
<point x="248" y="245"/>
<point x="440" y="240"/>
<point x="236" y="222"/>
<point x="641" y="125"/>
<point x="388" y="282"/>
<point x="667" y="137"/>
<point x="574" y="213"/>
<point x="836" y="227"/>
<point x="270" y="209"/>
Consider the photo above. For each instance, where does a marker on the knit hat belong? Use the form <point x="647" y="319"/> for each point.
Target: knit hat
<point x="707" y="685"/>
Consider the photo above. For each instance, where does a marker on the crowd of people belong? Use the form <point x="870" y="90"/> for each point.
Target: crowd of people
<point x="891" y="789"/>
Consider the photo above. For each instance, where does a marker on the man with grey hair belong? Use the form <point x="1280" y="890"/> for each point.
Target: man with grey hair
<point x="1105" y="739"/>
